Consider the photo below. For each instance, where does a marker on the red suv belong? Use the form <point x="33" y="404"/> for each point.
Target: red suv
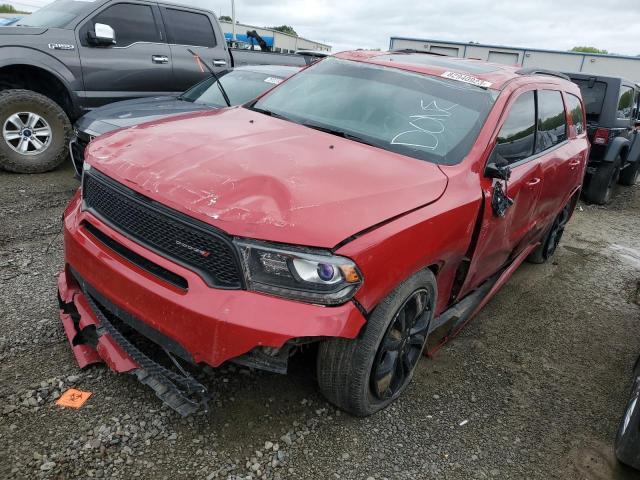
<point x="370" y="204"/>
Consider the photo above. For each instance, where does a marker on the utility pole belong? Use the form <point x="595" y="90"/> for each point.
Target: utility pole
<point x="233" y="20"/>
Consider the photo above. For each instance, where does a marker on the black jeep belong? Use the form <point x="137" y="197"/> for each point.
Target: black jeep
<point x="612" y="105"/>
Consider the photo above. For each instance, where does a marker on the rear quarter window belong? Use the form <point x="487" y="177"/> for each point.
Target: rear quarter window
<point x="575" y="110"/>
<point x="552" y="120"/>
<point x="625" y="103"/>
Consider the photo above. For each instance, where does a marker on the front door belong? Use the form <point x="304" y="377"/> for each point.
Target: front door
<point x="138" y="65"/>
<point x="501" y="236"/>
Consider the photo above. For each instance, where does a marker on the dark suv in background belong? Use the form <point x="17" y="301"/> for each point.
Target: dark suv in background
<point x="612" y="114"/>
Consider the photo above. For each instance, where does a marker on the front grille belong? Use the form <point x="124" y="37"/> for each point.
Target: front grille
<point x="198" y="247"/>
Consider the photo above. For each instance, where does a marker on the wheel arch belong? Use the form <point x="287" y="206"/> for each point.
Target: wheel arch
<point x="41" y="77"/>
<point x="618" y="146"/>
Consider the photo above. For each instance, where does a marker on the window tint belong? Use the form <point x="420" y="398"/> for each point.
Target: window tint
<point x="552" y="122"/>
<point x="132" y="23"/>
<point x="515" y="140"/>
<point x="593" y="94"/>
<point x="625" y="103"/>
<point x="188" y="28"/>
<point x="575" y="109"/>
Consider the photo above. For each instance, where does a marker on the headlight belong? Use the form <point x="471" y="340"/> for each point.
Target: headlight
<point x="309" y="275"/>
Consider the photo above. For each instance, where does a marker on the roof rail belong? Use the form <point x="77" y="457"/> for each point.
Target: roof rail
<point x="413" y="50"/>
<point x="542" y="71"/>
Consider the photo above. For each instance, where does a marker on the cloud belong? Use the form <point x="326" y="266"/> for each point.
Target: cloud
<point x="548" y="24"/>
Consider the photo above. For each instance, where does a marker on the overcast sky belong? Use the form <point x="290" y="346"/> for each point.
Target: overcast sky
<point x="345" y="24"/>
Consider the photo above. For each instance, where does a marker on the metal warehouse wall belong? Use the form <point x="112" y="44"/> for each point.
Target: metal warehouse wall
<point x="281" y="41"/>
<point x="612" y="65"/>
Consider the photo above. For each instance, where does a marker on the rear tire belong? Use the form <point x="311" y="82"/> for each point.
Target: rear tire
<point x="34" y="132"/>
<point x="602" y="183"/>
<point x="346" y="366"/>
<point x="551" y="240"/>
<point x="630" y="174"/>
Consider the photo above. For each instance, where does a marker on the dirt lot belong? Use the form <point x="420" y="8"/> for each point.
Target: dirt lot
<point x="540" y="378"/>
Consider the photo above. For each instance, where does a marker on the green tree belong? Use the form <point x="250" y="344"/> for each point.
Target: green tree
<point x="4" y="8"/>
<point x="225" y="18"/>
<point x="588" y="50"/>
<point x="285" y="29"/>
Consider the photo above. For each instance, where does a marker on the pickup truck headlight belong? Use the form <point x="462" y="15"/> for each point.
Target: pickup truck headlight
<point x="308" y="275"/>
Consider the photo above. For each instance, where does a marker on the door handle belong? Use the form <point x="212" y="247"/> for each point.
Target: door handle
<point x="573" y="164"/>
<point x="219" y="63"/>
<point x="533" y="182"/>
<point x="159" y="59"/>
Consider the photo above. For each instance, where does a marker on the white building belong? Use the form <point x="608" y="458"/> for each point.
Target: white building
<point x="280" y="42"/>
<point x="597" y="64"/>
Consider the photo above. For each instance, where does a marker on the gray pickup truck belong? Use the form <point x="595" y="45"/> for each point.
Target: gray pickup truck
<point x="72" y="56"/>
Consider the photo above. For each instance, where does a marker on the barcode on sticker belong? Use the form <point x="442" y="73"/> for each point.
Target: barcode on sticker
<point x="463" y="77"/>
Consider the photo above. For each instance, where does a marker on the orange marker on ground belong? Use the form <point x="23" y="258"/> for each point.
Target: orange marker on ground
<point x="73" y="398"/>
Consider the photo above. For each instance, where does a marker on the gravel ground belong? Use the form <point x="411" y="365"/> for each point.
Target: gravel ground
<point x="533" y="388"/>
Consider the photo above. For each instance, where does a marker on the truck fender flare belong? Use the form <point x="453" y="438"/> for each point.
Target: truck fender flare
<point x="634" y="150"/>
<point x="617" y="144"/>
<point x="37" y="59"/>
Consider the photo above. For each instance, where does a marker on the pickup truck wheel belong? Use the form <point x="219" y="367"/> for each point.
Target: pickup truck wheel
<point x="629" y="175"/>
<point x="551" y="240"/>
<point x="601" y="184"/>
<point x="35" y="132"/>
<point x="366" y="374"/>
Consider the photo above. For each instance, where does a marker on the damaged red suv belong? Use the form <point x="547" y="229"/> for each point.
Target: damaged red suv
<point x="371" y="204"/>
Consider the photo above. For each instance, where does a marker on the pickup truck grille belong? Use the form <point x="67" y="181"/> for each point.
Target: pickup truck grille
<point x="196" y="246"/>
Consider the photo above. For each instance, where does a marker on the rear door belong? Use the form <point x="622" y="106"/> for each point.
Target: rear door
<point x="501" y="237"/>
<point x="554" y="153"/>
<point x="138" y="65"/>
<point x="192" y="29"/>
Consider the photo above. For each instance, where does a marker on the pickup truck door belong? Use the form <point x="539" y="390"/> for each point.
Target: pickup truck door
<point x="195" y="30"/>
<point x="138" y="65"/>
<point x="502" y="236"/>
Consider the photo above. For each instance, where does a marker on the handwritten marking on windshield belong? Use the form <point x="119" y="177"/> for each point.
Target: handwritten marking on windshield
<point x="427" y="125"/>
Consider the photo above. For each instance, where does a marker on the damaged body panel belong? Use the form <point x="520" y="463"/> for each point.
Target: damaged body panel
<point x="351" y="206"/>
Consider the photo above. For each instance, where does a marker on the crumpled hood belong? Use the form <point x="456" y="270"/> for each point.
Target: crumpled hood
<point x="261" y="177"/>
<point x="133" y="112"/>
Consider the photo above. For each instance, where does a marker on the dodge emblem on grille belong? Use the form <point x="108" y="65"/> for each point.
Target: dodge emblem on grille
<point x="199" y="251"/>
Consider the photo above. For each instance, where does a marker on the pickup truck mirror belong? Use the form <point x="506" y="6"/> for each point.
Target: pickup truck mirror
<point x="102" y="35"/>
<point x="497" y="167"/>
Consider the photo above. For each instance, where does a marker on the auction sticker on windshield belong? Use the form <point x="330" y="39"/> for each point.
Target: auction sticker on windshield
<point x="463" y="77"/>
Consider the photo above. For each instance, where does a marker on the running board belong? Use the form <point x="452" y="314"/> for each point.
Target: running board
<point x="460" y="314"/>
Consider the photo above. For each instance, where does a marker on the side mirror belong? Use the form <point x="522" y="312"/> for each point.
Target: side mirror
<point x="497" y="167"/>
<point x="102" y="35"/>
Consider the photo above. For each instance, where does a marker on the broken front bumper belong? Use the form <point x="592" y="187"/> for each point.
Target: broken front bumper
<point x="200" y="324"/>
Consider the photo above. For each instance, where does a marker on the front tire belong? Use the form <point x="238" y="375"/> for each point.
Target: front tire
<point x="34" y="132"/>
<point x="602" y="182"/>
<point x="366" y="374"/>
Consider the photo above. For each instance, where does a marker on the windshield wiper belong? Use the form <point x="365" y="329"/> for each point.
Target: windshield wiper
<point x="222" y="90"/>
<point x="340" y="133"/>
<point x="270" y="113"/>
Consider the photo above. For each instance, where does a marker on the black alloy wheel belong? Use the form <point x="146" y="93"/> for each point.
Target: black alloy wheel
<point x="401" y="346"/>
<point x="555" y="234"/>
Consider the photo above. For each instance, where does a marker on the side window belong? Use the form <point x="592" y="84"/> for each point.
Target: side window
<point x="132" y="23"/>
<point x="575" y="109"/>
<point x="552" y="120"/>
<point x="515" y="140"/>
<point x="188" y="28"/>
<point x="625" y="103"/>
